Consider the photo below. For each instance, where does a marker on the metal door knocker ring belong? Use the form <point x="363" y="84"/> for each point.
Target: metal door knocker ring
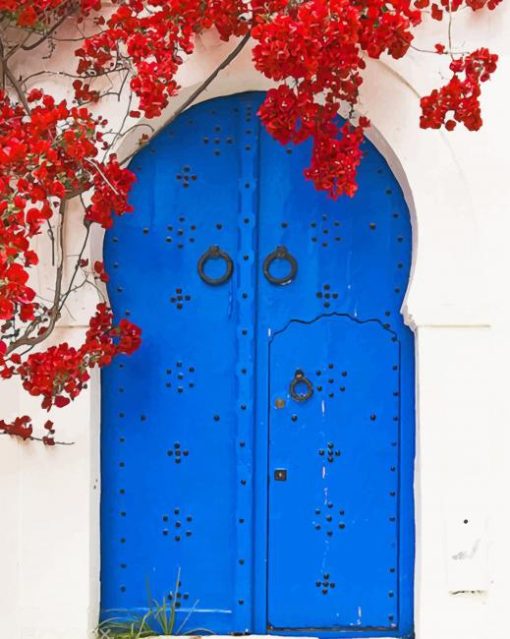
<point x="280" y="253"/>
<point x="215" y="253"/>
<point x="300" y="378"/>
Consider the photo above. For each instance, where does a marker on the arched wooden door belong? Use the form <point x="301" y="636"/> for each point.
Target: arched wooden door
<point x="260" y="443"/>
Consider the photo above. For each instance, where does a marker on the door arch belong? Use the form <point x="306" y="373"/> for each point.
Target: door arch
<point x="261" y="441"/>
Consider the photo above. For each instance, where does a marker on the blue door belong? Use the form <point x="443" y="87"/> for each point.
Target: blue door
<point x="257" y="451"/>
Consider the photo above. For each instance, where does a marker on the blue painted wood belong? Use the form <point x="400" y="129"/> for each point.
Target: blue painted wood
<point x="197" y="422"/>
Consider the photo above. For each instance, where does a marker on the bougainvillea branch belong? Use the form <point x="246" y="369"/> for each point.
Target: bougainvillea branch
<point x="58" y="156"/>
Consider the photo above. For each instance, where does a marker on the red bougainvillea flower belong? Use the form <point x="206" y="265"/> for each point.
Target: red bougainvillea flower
<point x="316" y="48"/>
<point x="459" y="99"/>
<point x="61" y="372"/>
<point x="20" y="427"/>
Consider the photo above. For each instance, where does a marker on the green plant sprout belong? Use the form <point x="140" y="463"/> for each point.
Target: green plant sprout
<point x="159" y="620"/>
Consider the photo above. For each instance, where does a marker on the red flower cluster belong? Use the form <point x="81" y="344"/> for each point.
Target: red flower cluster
<point x="317" y="48"/>
<point x="438" y="8"/>
<point x="151" y="37"/>
<point x="335" y="161"/>
<point x="111" y="187"/>
<point x="20" y="427"/>
<point x="61" y="372"/>
<point x="459" y="100"/>
<point x="151" y="41"/>
<point x="38" y="13"/>
<point x="46" y="156"/>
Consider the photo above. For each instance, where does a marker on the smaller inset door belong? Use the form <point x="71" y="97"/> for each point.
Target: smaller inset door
<point x="333" y="452"/>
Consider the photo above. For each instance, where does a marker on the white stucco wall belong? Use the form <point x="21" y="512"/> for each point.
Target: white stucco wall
<point x="458" y="189"/>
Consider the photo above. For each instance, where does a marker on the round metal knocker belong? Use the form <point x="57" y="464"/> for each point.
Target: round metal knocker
<point x="215" y="253"/>
<point x="300" y="378"/>
<point x="280" y="253"/>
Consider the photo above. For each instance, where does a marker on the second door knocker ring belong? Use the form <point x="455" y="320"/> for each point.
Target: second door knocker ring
<point x="280" y="253"/>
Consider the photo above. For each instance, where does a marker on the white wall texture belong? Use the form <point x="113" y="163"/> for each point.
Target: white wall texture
<point x="458" y="189"/>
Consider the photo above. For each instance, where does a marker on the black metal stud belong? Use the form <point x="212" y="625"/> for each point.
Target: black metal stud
<point x="325" y="228"/>
<point x="327" y="295"/>
<point x="328" y="520"/>
<point x="178" y="526"/>
<point x="180" y="299"/>
<point x="327" y="383"/>
<point x="180" y="233"/>
<point x="330" y="452"/>
<point x="177" y="452"/>
<point x="182" y="376"/>
<point x="325" y="585"/>
<point x="185" y="177"/>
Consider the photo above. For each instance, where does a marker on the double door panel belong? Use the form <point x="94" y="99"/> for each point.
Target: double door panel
<point x="257" y="450"/>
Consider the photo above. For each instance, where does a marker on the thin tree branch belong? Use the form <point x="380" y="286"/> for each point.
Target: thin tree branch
<point x="76" y="269"/>
<point x="33" y="438"/>
<point x="16" y="86"/>
<point x="48" y="33"/>
<point x="26" y="340"/>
